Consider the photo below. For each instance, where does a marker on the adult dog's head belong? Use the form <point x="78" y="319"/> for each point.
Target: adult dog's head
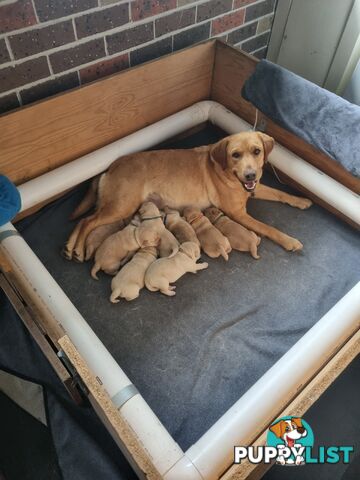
<point x="243" y="155"/>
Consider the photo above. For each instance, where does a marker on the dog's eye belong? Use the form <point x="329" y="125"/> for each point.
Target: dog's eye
<point x="287" y="428"/>
<point x="257" y="151"/>
<point x="236" y="155"/>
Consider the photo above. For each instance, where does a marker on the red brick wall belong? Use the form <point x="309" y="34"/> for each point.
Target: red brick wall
<point x="48" y="46"/>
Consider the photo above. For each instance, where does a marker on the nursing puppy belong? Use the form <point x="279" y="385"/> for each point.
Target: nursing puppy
<point x="211" y="240"/>
<point x="239" y="237"/>
<point x="167" y="270"/>
<point x="97" y="236"/>
<point x="131" y="278"/>
<point x="119" y="246"/>
<point x="168" y="246"/>
<point x="182" y="230"/>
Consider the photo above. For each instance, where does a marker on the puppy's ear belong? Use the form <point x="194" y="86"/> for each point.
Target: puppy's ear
<point x="218" y="153"/>
<point x="278" y="428"/>
<point x="268" y="143"/>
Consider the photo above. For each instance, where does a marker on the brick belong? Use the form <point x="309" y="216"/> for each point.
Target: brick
<point x="49" y="88"/>
<point x="9" y="102"/>
<point x="41" y="39"/>
<point x="16" y="15"/>
<point x="256" y="42"/>
<point x="104" y="20"/>
<point x="147" y="8"/>
<point x="264" y="24"/>
<point x="72" y="57"/>
<point x="242" y="3"/>
<point x="104" y="68"/>
<point x="260" y="53"/>
<point x="259" y="10"/>
<point x="51" y="9"/>
<point x="227" y="22"/>
<point x="23" y="73"/>
<point x="175" y="21"/>
<point x="191" y="36"/>
<point x="242" y="33"/>
<point x="155" y="50"/>
<point x="130" y="38"/>
<point x="212" y="9"/>
<point x="4" y="53"/>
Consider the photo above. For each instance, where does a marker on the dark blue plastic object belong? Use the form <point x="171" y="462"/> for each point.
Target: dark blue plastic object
<point x="10" y="200"/>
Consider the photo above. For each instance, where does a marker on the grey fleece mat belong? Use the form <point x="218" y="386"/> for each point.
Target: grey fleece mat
<point x="192" y="356"/>
<point x="320" y="117"/>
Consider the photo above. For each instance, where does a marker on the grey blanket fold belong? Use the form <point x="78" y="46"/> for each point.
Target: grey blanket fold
<point x="321" y="118"/>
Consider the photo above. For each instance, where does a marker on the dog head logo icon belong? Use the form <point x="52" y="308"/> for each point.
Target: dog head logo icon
<point x="290" y="435"/>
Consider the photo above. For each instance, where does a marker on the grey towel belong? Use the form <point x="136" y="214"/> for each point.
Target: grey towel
<point x="321" y="118"/>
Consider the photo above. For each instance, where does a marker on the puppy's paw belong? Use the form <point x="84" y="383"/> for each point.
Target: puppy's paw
<point x="292" y="245"/>
<point x="78" y="256"/>
<point x="67" y="254"/>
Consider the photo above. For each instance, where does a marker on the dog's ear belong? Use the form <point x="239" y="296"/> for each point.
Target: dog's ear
<point x="218" y="153"/>
<point x="297" y="421"/>
<point x="278" y="428"/>
<point x="268" y="143"/>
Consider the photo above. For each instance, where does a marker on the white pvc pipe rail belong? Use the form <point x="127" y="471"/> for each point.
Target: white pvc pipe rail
<point x="214" y="451"/>
<point x="211" y="455"/>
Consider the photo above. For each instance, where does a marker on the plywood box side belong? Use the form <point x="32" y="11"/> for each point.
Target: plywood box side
<point x="50" y="133"/>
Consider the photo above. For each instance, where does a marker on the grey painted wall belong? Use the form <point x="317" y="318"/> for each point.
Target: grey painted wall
<point x="352" y="91"/>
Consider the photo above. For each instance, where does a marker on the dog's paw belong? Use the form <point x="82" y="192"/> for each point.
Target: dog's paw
<point x="303" y="203"/>
<point x="292" y="245"/>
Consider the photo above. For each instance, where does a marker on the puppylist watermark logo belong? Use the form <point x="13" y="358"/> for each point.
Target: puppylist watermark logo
<point x="290" y="440"/>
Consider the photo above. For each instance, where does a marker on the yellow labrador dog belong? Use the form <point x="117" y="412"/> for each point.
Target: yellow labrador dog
<point x="224" y="175"/>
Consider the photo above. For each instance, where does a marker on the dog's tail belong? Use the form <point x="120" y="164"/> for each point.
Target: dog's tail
<point x="88" y="201"/>
<point x="174" y="251"/>
<point x="223" y="253"/>
<point x="94" y="271"/>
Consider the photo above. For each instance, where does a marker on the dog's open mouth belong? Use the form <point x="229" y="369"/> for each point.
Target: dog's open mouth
<point x="250" y="186"/>
<point x="290" y="441"/>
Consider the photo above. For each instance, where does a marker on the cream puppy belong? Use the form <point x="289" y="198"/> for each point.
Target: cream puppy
<point x="168" y="246"/>
<point x="239" y="237"/>
<point x="151" y="218"/>
<point x="212" y="241"/>
<point x="130" y="279"/>
<point x="167" y="270"/>
<point x="120" y="245"/>
<point x="177" y="225"/>
<point x="97" y="236"/>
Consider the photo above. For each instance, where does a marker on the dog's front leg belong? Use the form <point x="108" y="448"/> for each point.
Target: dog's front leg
<point x="287" y="242"/>
<point x="262" y="192"/>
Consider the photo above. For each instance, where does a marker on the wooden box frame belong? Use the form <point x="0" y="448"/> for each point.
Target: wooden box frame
<point x="51" y="133"/>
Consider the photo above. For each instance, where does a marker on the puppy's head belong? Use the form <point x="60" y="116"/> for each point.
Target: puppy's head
<point x="212" y="213"/>
<point x="149" y="209"/>
<point x="191" y="249"/>
<point x="148" y="237"/>
<point x="289" y="430"/>
<point x="190" y="213"/>
<point x="171" y="211"/>
<point x="243" y="155"/>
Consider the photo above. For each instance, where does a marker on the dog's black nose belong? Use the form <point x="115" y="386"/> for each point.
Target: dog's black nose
<point x="250" y="176"/>
<point x="301" y="429"/>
